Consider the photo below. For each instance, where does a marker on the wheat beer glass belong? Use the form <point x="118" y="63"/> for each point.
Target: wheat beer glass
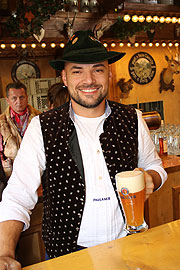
<point x="131" y="188"/>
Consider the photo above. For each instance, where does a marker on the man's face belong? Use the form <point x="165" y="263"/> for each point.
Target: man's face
<point x="87" y="83"/>
<point x="17" y="99"/>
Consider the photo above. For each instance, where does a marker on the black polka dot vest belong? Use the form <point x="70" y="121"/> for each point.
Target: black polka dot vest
<point x="63" y="180"/>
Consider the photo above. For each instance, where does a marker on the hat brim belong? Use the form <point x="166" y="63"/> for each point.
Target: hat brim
<point x="90" y="58"/>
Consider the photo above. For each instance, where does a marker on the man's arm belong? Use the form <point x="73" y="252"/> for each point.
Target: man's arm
<point x="9" y="234"/>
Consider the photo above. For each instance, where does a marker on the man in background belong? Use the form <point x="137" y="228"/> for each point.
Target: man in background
<point x="13" y="123"/>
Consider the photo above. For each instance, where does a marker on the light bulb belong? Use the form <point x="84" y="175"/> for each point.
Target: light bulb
<point x="3" y="46"/>
<point x="13" y="45"/>
<point x="155" y="19"/>
<point x="157" y="44"/>
<point x="148" y="19"/>
<point x="163" y="44"/>
<point x="176" y="44"/>
<point x="143" y="44"/>
<point x="135" y="18"/>
<point x="129" y="44"/>
<point x="161" y="19"/>
<point x="33" y="45"/>
<point x="174" y="20"/>
<point x="43" y="45"/>
<point x="150" y="44"/>
<point x="170" y="44"/>
<point x="136" y="44"/>
<point x="62" y="45"/>
<point x="121" y="44"/>
<point x="126" y="18"/>
<point x="141" y="18"/>
<point x="53" y="45"/>
<point x="23" y="45"/>
<point x="167" y="19"/>
<point x="113" y="44"/>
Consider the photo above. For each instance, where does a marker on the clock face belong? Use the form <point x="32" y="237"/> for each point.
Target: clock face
<point x="24" y="70"/>
<point x="142" y="68"/>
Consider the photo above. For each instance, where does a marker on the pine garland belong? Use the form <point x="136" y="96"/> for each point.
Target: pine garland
<point x="30" y="16"/>
<point x="122" y="30"/>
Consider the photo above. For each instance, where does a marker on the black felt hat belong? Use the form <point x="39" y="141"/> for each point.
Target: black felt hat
<point x="84" y="48"/>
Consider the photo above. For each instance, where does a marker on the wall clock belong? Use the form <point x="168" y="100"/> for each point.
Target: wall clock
<point x="25" y="69"/>
<point x="142" y="68"/>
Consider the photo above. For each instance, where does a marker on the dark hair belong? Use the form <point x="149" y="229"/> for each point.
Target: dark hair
<point x="57" y="95"/>
<point x="16" y="85"/>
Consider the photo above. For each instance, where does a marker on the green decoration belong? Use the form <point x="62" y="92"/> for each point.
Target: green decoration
<point x="122" y="30"/>
<point x="30" y="16"/>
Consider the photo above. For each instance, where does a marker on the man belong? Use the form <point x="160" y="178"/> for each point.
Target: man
<point x="78" y="148"/>
<point x="13" y="123"/>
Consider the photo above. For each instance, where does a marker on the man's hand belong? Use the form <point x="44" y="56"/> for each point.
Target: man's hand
<point x="8" y="263"/>
<point x="149" y="184"/>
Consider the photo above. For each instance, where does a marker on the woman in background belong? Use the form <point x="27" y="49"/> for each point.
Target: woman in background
<point x="57" y="95"/>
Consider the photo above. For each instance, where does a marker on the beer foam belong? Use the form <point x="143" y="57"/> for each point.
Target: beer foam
<point x="132" y="180"/>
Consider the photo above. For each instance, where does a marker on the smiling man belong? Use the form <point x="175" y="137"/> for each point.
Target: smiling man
<point x="78" y="148"/>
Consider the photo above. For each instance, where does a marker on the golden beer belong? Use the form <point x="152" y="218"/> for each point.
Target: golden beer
<point x="131" y="188"/>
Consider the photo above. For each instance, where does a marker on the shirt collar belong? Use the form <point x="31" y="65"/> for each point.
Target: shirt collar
<point x="107" y="111"/>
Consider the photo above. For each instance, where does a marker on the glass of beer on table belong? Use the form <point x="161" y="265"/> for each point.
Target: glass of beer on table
<point x="131" y="188"/>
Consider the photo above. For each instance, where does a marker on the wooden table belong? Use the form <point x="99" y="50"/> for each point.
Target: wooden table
<point x="156" y="249"/>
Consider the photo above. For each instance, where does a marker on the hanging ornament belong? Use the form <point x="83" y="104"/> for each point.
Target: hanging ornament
<point x="40" y="36"/>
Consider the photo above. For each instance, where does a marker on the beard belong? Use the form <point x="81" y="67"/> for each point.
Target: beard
<point x="86" y="104"/>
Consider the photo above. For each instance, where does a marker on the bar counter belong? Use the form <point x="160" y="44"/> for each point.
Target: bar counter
<point x="159" y="207"/>
<point x="155" y="249"/>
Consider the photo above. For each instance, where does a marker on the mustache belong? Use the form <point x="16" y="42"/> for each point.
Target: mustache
<point x="89" y="86"/>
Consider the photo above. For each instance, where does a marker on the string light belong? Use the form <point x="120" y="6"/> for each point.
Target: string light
<point x="155" y="19"/>
<point x="33" y="45"/>
<point x="168" y="19"/>
<point x="62" y="45"/>
<point x="157" y="44"/>
<point x="126" y="18"/>
<point x="135" y="18"/>
<point x="136" y="44"/>
<point x="170" y="44"/>
<point x="3" y="46"/>
<point x="113" y="44"/>
<point x="161" y="19"/>
<point x="13" y="46"/>
<point x="174" y="20"/>
<point x="43" y="45"/>
<point x="23" y="45"/>
<point x="105" y="44"/>
<point x="141" y="19"/>
<point x="53" y="45"/>
<point x="148" y="19"/>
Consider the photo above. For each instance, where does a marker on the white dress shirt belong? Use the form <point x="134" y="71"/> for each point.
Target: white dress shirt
<point x="101" y="206"/>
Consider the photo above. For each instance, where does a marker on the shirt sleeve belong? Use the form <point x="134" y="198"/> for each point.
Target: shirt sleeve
<point x="148" y="158"/>
<point x="20" y="195"/>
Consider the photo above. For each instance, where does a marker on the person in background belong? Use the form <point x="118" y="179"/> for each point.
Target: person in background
<point x="3" y="180"/>
<point x="13" y="123"/>
<point x="57" y="95"/>
<point x="78" y="148"/>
